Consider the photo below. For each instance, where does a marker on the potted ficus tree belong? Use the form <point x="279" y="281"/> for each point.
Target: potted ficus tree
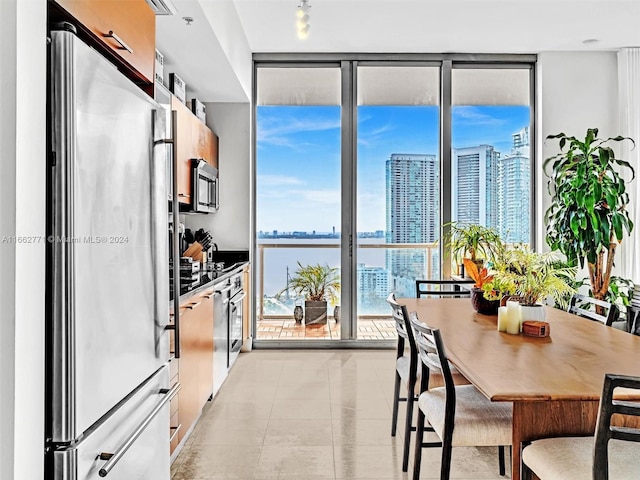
<point x="317" y="284"/>
<point x="588" y="215"/>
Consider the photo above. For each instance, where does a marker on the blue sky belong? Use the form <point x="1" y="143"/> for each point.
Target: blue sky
<point x="298" y="156"/>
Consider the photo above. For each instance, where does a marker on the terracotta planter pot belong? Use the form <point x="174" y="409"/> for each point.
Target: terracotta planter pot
<point x="481" y="304"/>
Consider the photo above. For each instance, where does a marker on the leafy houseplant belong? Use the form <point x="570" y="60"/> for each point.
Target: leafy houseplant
<point x="530" y="275"/>
<point x="588" y="217"/>
<point x="481" y="277"/>
<point x="472" y="241"/>
<point x="317" y="284"/>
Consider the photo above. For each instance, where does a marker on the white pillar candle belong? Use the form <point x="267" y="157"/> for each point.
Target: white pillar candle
<point x="513" y="318"/>
<point x="502" y="319"/>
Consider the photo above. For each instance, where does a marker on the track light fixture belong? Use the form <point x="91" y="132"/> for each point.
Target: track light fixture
<point x="303" y="19"/>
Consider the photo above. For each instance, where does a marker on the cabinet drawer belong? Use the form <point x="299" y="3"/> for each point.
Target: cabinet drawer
<point x="125" y="29"/>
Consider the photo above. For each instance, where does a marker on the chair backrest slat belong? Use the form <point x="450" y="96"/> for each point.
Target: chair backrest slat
<point x="580" y="303"/>
<point x="401" y="317"/>
<point x="433" y="355"/>
<point x="442" y="288"/>
<point x="604" y="430"/>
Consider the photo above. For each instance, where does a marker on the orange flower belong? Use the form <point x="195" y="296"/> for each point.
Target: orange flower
<point x="479" y="276"/>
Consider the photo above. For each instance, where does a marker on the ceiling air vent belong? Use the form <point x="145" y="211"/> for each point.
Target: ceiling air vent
<point x="162" y="7"/>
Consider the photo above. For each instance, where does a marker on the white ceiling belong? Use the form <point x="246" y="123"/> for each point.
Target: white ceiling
<point x="467" y="26"/>
<point x="204" y="59"/>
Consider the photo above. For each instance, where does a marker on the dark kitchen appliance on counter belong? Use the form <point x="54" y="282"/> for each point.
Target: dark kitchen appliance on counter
<point x="107" y="277"/>
<point x="205" y="196"/>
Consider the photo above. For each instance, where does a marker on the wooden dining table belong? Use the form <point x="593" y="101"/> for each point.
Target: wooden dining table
<point x="554" y="382"/>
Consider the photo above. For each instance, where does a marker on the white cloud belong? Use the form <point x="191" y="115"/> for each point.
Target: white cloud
<point x="277" y="180"/>
<point x="275" y="131"/>
<point x="469" y="115"/>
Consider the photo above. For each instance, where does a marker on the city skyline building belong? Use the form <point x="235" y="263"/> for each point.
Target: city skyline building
<point x="412" y="215"/>
<point x="475" y="190"/>
<point x="373" y="284"/>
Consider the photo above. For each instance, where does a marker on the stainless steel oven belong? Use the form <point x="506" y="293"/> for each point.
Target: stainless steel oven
<point x="205" y="197"/>
<point x="235" y="317"/>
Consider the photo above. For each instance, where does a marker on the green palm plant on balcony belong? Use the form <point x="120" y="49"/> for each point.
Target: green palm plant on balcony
<point x="317" y="284"/>
<point x="588" y="215"/>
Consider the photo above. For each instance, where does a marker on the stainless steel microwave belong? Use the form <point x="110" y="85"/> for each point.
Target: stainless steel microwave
<point x="205" y="197"/>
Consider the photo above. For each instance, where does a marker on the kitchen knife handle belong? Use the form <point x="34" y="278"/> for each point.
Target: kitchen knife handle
<point x="113" y="458"/>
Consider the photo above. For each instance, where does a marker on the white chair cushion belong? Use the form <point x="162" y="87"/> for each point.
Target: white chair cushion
<point x="478" y="420"/>
<point x="402" y="367"/>
<point x="571" y="458"/>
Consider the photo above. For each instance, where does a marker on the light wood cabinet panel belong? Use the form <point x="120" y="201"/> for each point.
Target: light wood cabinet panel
<point x="194" y="140"/>
<point x="183" y="150"/>
<point x="196" y="360"/>
<point x="132" y="21"/>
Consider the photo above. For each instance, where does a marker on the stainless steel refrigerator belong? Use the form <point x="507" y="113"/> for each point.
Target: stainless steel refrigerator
<point x="108" y="273"/>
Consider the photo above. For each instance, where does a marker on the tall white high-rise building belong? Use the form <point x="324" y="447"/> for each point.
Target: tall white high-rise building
<point x="413" y="214"/>
<point x="492" y="189"/>
<point x="515" y="191"/>
<point x="475" y="174"/>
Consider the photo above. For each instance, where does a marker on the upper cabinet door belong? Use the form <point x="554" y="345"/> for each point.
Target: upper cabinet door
<point x="194" y="140"/>
<point x="126" y="29"/>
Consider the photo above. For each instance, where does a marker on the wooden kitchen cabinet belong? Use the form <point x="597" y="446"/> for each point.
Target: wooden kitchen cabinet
<point x="193" y="140"/>
<point x="196" y="359"/>
<point x="132" y="24"/>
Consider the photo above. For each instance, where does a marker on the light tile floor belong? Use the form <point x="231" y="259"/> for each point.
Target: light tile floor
<point x="311" y="415"/>
<point x="288" y="329"/>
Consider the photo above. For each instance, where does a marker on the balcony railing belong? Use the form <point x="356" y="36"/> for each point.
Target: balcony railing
<point x="428" y="248"/>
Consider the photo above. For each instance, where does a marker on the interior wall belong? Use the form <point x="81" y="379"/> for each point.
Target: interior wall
<point x="230" y="225"/>
<point x="22" y="218"/>
<point x="576" y="91"/>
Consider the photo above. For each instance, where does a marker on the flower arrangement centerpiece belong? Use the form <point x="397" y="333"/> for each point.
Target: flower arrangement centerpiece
<point x="481" y="277"/>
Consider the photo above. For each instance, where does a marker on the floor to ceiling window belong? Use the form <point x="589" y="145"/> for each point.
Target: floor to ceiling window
<point x="358" y="165"/>
<point x="398" y="184"/>
<point x="298" y="207"/>
<point x="490" y="157"/>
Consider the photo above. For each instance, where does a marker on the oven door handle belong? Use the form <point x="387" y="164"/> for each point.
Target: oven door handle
<point x="238" y="298"/>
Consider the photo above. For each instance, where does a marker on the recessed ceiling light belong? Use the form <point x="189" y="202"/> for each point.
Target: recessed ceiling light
<point x="590" y="41"/>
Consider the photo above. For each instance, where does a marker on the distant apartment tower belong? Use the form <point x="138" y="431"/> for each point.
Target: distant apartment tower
<point x="413" y="213"/>
<point x="515" y="191"/>
<point x="373" y="283"/>
<point x="475" y="174"/>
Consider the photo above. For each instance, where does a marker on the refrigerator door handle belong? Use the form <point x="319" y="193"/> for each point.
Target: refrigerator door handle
<point x="159" y="221"/>
<point x="113" y="458"/>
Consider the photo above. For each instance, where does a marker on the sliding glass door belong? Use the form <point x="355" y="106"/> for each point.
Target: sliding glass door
<point x="398" y="184"/>
<point x="298" y="201"/>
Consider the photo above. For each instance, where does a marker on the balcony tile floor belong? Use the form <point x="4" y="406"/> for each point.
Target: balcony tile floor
<point x="287" y="329"/>
<point x="311" y="415"/>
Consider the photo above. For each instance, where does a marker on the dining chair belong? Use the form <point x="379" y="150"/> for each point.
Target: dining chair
<point x="581" y="304"/>
<point x="442" y="288"/>
<point x="407" y="374"/>
<point x="612" y="454"/>
<point x="459" y="414"/>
